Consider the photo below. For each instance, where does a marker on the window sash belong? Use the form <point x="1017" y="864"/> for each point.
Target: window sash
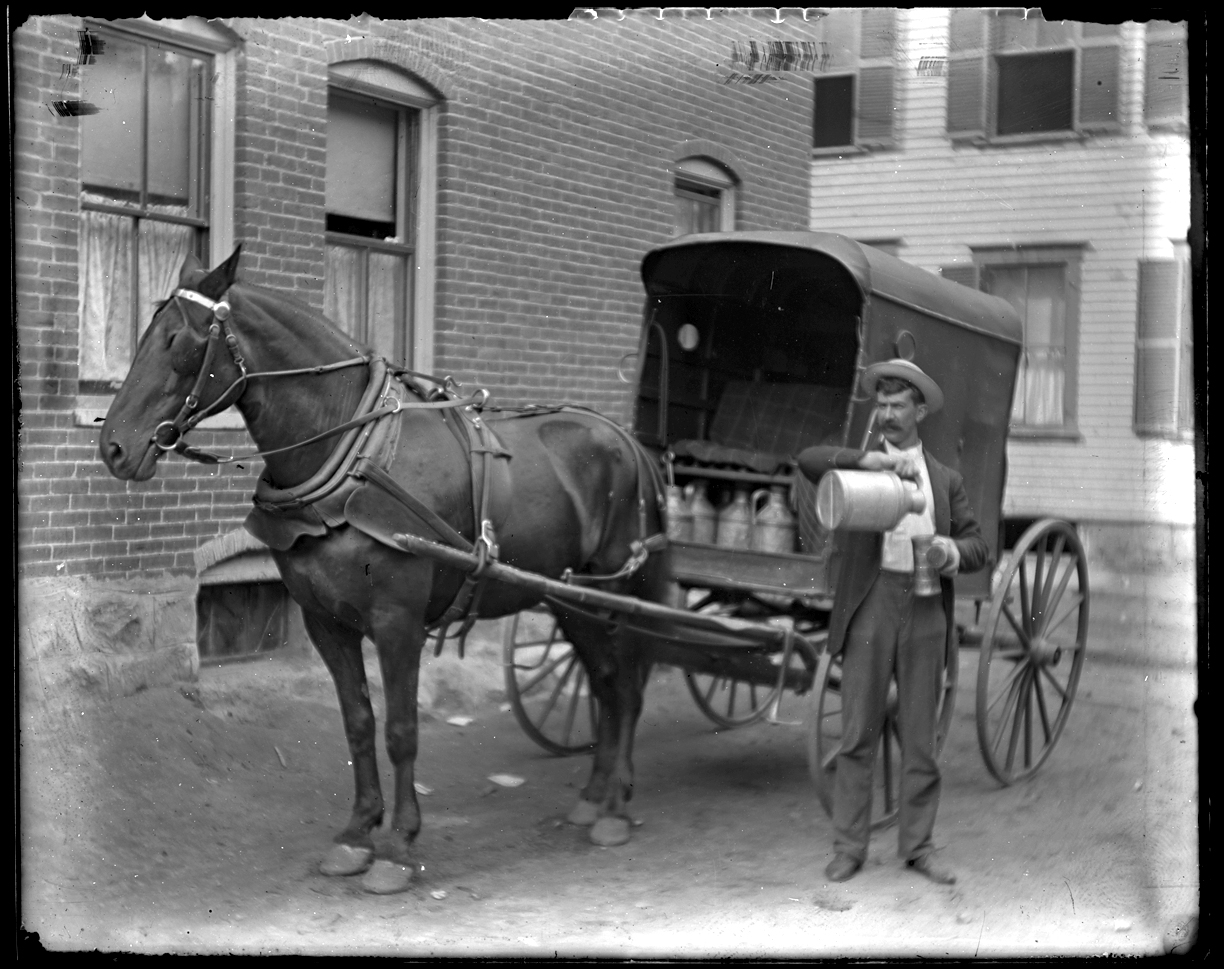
<point x="367" y="293"/>
<point x="133" y="239"/>
<point x="857" y="79"/>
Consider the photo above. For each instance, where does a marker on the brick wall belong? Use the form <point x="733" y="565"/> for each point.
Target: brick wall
<point x="556" y="147"/>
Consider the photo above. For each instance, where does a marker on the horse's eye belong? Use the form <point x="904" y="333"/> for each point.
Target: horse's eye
<point x="170" y="335"/>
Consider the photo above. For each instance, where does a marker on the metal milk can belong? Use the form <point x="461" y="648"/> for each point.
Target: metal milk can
<point x="735" y="521"/>
<point x="773" y="527"/>
<point x="705" y="518"/>
<point x="873" y="501"/>
<point x="679" y="517"/>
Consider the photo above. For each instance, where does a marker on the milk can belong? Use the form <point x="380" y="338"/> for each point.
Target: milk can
<point x="735" y="521"/>
<point x="773" y="527"/>
<point x="679" y="517"/>
<point x="871" y="501"/>
<point x="705" y="518"/>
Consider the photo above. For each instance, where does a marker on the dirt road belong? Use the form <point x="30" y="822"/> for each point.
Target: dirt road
<point x="192" y="821"/>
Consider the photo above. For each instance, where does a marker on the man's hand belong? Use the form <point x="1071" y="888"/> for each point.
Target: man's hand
<point x="952" y="564"/>
<point x="903" y="465"/>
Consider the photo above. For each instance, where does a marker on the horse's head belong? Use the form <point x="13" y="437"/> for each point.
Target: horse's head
<point x="145" y="418"/>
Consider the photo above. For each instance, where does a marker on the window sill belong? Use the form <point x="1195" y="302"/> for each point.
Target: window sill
<point x="1036" y="138"/>
<point x="840" y="151"/>
<point x="1068" y="434"/>
<point x="91" y="411"/>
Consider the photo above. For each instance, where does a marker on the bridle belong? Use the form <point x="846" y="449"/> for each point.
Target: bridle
<point x="169" y="435"/>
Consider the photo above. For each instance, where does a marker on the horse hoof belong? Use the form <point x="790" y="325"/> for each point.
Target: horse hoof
<point x="387" y="878"/>
<point x="346" y="860"/>
<point x="584" y="814"/>
<point x="610" y="832"/>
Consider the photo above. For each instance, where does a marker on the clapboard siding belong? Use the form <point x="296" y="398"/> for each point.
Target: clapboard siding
<point x="1124" y="197"/>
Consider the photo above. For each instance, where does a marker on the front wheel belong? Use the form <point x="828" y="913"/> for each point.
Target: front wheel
<point x="547" y="686"/>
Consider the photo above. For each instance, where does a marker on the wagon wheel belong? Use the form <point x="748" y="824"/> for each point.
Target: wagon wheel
<point x="1032" y="650"/>
<point x="546" y="684"/>
<point x="726" y="701"/>
<point x="825" y="732"/>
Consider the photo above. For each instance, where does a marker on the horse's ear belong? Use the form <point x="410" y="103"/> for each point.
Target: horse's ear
<point x="221" y="278"/>
<point x="191" y="265"/>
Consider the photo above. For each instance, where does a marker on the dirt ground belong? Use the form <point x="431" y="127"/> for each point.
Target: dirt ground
<point x="192" y="819"/>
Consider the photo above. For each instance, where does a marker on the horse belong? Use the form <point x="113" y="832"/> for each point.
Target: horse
<point x="577" y="497"/>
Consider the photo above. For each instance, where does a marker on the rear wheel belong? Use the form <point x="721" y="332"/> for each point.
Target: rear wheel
<point x="1032" y="651"/>
<point x="825" y="735"/>
<point x="546" y="684"/>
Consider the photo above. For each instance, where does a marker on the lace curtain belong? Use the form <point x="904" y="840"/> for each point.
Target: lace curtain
<point x="109" y="323"/>
<point x="365" y="293"/>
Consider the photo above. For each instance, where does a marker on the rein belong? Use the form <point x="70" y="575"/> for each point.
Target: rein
<point x="169" y="435"/>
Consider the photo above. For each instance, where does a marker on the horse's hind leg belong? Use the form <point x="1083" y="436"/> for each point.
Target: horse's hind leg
<point x="340" y="648"/>
<point x="614" y="673"/>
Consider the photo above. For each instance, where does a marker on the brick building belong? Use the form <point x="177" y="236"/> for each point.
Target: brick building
<point x="1049" y="163"/>
<point x="470" y="197"/>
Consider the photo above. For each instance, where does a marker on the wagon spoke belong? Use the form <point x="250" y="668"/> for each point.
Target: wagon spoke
<point x="572" y="707"/>
<point x="556" y="690"/>
<point x="1072" y="605"/>
<point x="1008" y="681"/>
<point x="1041" y="709"/>
<point x="543" y="672"/>
<point x="1025" y="613"/>
<point x="1016" y="722"/>
<point x="1039" y="571"/>
<point x="1055" y="559"/>
<point x="1005" y="716"/>
<point x="1054" y="682"/>
<point x="1028" y="723"/>
<point x="1023" y="634"/>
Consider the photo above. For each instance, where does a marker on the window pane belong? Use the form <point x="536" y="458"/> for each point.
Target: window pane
<point x="1036" y="92"/>
<point x="170" y="110"/>
<point x="833" y="121"/>
<point x="698" y="208"/>
<point x="163" y="247"/>
<point x="361" y="160"/>
<point x="1037" y="294"/>
<point x="388" y="273"/>
<point x="343" y="297"/>
<point x="106" y="295"/>
<point x="111" y="140"/>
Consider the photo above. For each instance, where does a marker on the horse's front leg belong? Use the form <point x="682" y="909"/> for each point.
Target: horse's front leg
<point x="340" y="648"/>
<point x="399" y="637"/>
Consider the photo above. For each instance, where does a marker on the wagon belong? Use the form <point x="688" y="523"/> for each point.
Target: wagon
<point x="752" y="348"/>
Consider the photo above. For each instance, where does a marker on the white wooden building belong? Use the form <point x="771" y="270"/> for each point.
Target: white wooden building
<point x="1048" y="163"/>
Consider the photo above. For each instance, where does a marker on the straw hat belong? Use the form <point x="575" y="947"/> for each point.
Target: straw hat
<point x="906" y="371"/>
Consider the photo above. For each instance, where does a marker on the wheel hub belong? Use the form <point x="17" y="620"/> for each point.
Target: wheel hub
<point x="1045" y="652"/>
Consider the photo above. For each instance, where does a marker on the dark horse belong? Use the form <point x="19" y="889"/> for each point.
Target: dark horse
<point x="574" y="497"/>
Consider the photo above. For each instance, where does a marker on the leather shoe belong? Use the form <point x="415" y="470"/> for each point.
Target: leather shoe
<point x="925" y="866"/>
<point x="842" y="868"/>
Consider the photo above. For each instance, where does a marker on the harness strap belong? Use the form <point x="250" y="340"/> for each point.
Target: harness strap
<point x="370" y="471"/>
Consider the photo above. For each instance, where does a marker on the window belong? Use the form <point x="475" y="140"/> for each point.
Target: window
<point x="378" y="136"/>
<point x="1042" y="284"/>
<point x="145" y="187"/>
<point x="1164" y="351"/>
<point x="1012" y="73"/>
<point x="705" y="197"/>
<point x="853" y="95"/>
<point x="1166" y="92"/>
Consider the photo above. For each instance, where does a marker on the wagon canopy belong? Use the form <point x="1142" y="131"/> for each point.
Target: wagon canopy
<point x="753" y="344"/>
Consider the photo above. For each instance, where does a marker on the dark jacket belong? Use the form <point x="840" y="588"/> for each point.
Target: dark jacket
<point x="861" y="550"/>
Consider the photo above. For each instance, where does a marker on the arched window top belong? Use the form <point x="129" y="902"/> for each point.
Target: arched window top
<point x="381" y="80"/>
<point x="704" y="172"/>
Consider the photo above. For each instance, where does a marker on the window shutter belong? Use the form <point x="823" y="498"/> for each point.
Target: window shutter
<point x="1166" y="89"/>
<point x="965" y="275"/>
<point x="967" y="74"/>
<point x="878" y="35"/>
<point x="875" y="107"/>
<point x="1162" y="331"/>
<point x="1098" y="87"/>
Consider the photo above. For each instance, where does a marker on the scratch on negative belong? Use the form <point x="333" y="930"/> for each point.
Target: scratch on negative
<point x="1068" y="884"/>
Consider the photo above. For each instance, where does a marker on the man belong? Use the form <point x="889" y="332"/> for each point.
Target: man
<point x="882" y="629"/>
